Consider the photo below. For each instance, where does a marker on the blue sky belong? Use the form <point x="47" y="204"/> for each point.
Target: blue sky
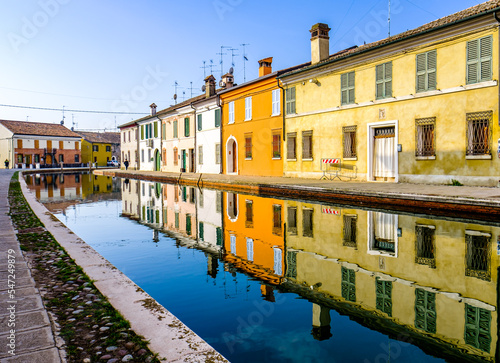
<point x="123" y="55"/>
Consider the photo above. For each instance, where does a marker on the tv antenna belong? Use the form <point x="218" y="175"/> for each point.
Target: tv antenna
<point x="389" y="18"/>
<point x="233" y="55"/>
<point x="221" y="61"/>
<point x="211" y="65"/>
<point x="175" y="94"/>
<point x="245" y="59"/>
<point x="204" y="69"/>
<point x="62" y="121"/>
<point x="191" y="88"/>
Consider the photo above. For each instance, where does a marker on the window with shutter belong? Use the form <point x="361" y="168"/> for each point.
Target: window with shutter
<point x="176" y="134"/>
<point x="156" y="128"/>
<point x="276" y="102"/>
<point x="383" y="83"/>
<point x="248" y="108"/>
<point x="248" y="146"/>
<point x="307" y="145"/>
<point x="142" y="132"/>
<point x="230" y="112"/>
<point x="186" y="126"/>
<point x="200" y="126"/>
<point x="347" y="88"/>
<point x="217" y="117"/>
<point x="290" y="100"/>
<point x="201" y="231"/>
<point x="479" y="60"/>
<point x="276" y="145"/>
<point x="291" y="146"/>
<point x="200" y="154"/>
<point x="426" y="67"/>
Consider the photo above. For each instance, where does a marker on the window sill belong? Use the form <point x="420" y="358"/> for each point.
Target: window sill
<point x="247" y="119"/>
<point x="291" y="159"/>
<point x="478" y="157"/>
<point x="277" y="158"/>
<point x="275" y="114"/>
<point x="248" y="158"/>
<point x="310" y="159"/>
<point x="351" y="159"/>
<point x="425" y="157"/>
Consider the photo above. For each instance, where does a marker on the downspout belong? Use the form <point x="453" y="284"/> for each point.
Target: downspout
<point x="161" y="142"/>
<point x="497" y="18"/>
<point x="221" y="141"/>
<point x="195" y="134"/>
<point x="283" y="108"/>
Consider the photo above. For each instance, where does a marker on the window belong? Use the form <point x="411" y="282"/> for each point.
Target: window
<point x="248" y="146"/>
<point x="176" y="219"/>
<point x="164" y="156"/>
<point x="37" y="158"/>
<point x="142" y="155"/>
<point x="383" y="80"/>
<point x="108" y="148"/>
<point x="176" y="156"/>
<point x="129" y="136"/>
<point x="292" y="221"/>
<point x="276" y="102"/>
<point x="61" y="158"/>
<point x="425" y="310"/>
<point x="200" y="126"/>
<point x="142" y="132"/>
<point x="95" y="147"/>
<point x="348" y="286"/>
<point x="250" y="249"/>
<point x="278" y="261"/>
<point x="77" y="145"/>
<point x="477" y="256"/>
<point x="27" y="159"/>
<point x="383" y="293"/>
<point x="291" y="146"/>
<point x="124" y="136"/>
<point x="479" y="133"/>
<point x="347" y="88"/>
<point x="184" y="194"/>
<point x="218" y="233"/>
<point x="277" y="220"/>
<point x="477" y="327"/>
<point x="426" y="71"/>
<point x="276" y="145"/>
<point x="249" y="214"/>
<point x="176" y="129"/>
<point x="248" y="108"/>
<point x="192" y="195"/>
<point x="290" y="101"/>
<point x="186" y="126"/>
<point x="479" y="60"/>
<point x="217" y="153"/>
<point x="307" y="222"/>
<point x="424" y="245"/>
<point x="349" y="141"/>
<point x="217" y="117"/>
<point x="425" y="137"/>
<point x="77" y="158"/>
<point x="231" y="112"/>
<point x="200" y="154"/>
<point x="163" y="131"/>
<point x="349" y="231"/>
<point x="155" y="124"/>
<point x="291" y="264"/>
<point x="218" y="202"/>
<point x="307" y="145"/>
<point x="61" y="145"/>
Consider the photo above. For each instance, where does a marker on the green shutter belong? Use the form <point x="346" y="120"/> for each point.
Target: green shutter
<point x="479" y="60"/>
<point x="186" y="126"/>
<point x="478" y="327"/>
<point x="156" y="129"/>
<point x="142" y="132"/>
<point x="200" y="126"/>
<point x="425" y="310"/>
<point x="188" y="224"/>
<point x="347" y="88"/>
<point x="290" y="100"/>
<point x="219" y="236"/>
<point x="175" y="129"/>
<point x="201" y="231"/>
<point x="383" y="80"/>
<point x="426" y="78"/>
<point x="164" y="131"/>
<point x="217" y="117"/>
<point x="431" y="70"/>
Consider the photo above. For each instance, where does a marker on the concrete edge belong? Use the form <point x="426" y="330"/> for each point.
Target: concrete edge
<point x="167" y="335"/>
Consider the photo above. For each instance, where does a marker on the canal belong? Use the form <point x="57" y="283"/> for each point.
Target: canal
<point x="278" y="280"/>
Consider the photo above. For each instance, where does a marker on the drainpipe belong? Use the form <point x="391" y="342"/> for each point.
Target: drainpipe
<point x="497" y="18"/>
<point x="221" y="141"/>
<point x="195" y="133"/>
<point x="161" y="141"/>
<point x="282" y="109"/>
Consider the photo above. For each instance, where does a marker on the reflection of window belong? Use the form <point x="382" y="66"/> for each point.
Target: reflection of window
<point x="176" y="219"/>
<point x="277" y="220"/>
<point x="232" y="205"/>
<point x="249" y="214"/>
<point x="250" y="249"/>
<point x="218" y="233"/>
<point x="184" y="194"/>
<point x="176" y="156"/>
<point x="218" y="202"/>
<point x="307" y="222"/>
<point x="188" y="224"/>
<point x="383" y="233"/>
<point x="291" y="264"/>
<point x="349" y="230"/>
<point x="477" y="255"/>
<point x="348" y="284"/>
<point x="292" y="221"/>
<point x="383" y="291"/>
<point x="176" y="193"/>
<point x="425" y="310"/>
<point x="232" y="240"/>
<point x="477" y="327"/>
<point x="192" y="195"/>
<point x="278" y="261"/>
<point x="424" y="245"/>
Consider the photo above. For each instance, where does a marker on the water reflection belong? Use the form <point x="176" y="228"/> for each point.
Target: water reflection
<point x="423" y="282"/>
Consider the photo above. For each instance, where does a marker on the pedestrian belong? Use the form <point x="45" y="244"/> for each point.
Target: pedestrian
<point x="6" y="162"/>
<point x="126" y="164"/>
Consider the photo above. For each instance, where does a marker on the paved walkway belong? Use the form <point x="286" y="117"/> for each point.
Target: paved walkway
<point x="33" y="339"/>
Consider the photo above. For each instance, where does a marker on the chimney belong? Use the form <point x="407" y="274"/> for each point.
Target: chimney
<point x="227" y="81"/>
<point x="320" y="42"/>
<point x="265" y="66"/>
<point x="153" y="109"/>
<point x="209" y="86"/>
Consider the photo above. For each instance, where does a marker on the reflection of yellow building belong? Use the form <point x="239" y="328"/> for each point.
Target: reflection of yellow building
<point x="434" y="278"/>
<point x="254" y="236"/>
<point x="95" y="184"/>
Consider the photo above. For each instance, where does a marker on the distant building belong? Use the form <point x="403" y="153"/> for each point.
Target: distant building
<point x="129" y="144"/>
<point x="38" y="145"/>
<point x="100" y="147"/>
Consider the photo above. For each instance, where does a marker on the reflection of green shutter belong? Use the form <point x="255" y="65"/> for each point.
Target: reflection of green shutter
<point x="201" y="231"/>
<point x="142" y="132"/>
<point x="176" y="219"/>
<point x="217" y="117"/>
<point x="157" y="215"/>
<point x="348" y="284"/>
<point x="188" y="224"/>
<point x="383" y="292"/>
<point x="156" y="129"/>
<point x="165" y="213"/>
<point x="425" y="310"/>
<point x="219" y="236"/>
<point x="477" y="327"/>
<point x="143" y="212"/>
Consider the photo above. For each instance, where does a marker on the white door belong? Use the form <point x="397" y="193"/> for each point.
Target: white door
<point x="384" y="152"/>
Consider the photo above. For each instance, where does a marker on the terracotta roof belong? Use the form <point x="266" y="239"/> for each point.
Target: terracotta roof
<point x="101" y="137"/>
<point x="37" y="128"/>
<point x="473" y="11"/>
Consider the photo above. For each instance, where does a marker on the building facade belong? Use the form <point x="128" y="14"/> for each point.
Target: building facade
<point x="129" y="145"/>
<point x="421" y="106"/>
<point x="100" y="147"/>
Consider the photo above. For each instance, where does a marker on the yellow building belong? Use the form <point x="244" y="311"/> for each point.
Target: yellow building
<point x="433" y="281"/>
<point x="252" y="124"/>
<point x="420" y="106"/>
<point x="100" y="147"/>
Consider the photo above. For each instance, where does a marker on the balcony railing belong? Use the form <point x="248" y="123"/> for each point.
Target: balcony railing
<point x="49" y="151"/>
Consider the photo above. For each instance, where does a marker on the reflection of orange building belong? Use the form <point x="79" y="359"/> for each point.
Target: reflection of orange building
<point x="254" y="236"/>
<point x="55" y="186"/>
<point x="179" y="210"/>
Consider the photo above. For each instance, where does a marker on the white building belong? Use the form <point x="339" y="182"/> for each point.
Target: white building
<point x="209" y="211"/>
<point x="149" y="145"/>
<point x="129" y="142"/>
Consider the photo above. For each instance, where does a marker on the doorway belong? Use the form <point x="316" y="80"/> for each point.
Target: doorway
<point x="157" y="160"/>
<point x="232" y="156"/>
<point x="383" y="151"/>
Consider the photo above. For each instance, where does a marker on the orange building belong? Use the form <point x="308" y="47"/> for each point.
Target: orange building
<point x="254" y="235"/>
<point x="252" y="125"/>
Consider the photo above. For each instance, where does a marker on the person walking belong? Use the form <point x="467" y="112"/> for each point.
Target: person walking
<point x="126" y="164"/>
<point x="6" y="162"/>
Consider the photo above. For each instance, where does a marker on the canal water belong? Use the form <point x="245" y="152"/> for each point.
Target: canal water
<point x="279" y="280"/>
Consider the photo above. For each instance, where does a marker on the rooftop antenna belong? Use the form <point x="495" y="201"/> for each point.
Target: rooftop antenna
<point x="389" y="18"/>
<point x="233" y="55"/>
<point x="211" y="65"/>
<point x="175" y="93"/>
<point x="62" y="121"/>
<point x="115" y="122"/>
<point x="191" y="88"/>
<point x="245" y="59"/>
<point x="183" y="95"/>
<point x="221" y="62"/>
<point x="204" y="69"/>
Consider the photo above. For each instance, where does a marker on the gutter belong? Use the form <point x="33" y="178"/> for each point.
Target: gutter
<point x="282" y="109"/>
<point x="161" y="139"/>
<point x="221" y="142"/>
<point x="195" y="143"/>
<point x="321" y="64"/>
